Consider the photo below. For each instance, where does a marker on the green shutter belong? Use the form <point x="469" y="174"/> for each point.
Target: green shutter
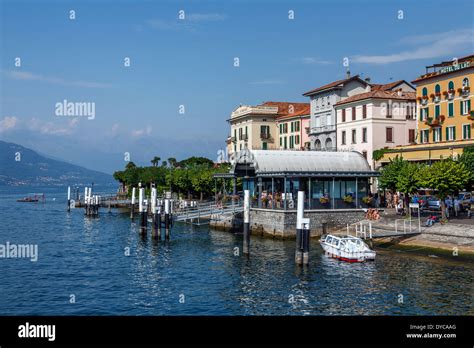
<point x="454" y="133"/>
<point x="440" y="134"/>
<point x="427" y="112"/>
<point x="462" y="109"/>
<point x="437" y="111"/>
<point x="468" y="105"/>
<point x="451" y="109"/>
<point x="447" y="133"/>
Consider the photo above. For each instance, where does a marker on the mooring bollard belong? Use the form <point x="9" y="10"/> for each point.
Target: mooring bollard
<point x="302" y="233"/>
<point x="167" y="219"/>
<point x="132" y="207"/>
<point x="156" y="228"/>
<point x="69" y="199"/>
<point x="142" y="211"/>
<point x="246" y="244"/>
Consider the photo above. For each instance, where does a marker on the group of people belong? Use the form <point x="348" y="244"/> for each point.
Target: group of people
<point x="453" y="206"/>
<point x="395" y="200"/>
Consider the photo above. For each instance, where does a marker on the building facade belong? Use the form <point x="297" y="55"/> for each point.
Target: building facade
<point x="255" y="127"/>
<point x="445" y="117"/>
<point x="293" y="130"/>
<point x="383" y="117"/>
<point x="323" y="117"/>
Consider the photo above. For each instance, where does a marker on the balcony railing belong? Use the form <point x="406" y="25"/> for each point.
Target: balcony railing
<point x="265" y="135"/>
<point x="323" y="129"/>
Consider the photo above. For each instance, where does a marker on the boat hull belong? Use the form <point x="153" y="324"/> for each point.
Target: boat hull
<point x="356" y="256"/>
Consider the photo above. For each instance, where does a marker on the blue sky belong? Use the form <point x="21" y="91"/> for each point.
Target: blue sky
<point x="190" y="62"/>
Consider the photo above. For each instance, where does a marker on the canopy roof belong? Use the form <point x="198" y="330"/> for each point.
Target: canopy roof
<point x="302" y="163"/>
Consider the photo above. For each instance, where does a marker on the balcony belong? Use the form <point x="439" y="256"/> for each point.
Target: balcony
<point x="233" y="139"/>
<point x="265" y="136"/>
<point x="424" y="101"/>
<point x="244" y="137"/>
<point x="324" y="129"/>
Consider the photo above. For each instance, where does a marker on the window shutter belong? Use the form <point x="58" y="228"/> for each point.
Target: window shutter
<point x="468" y="105"/>
<point x="462" y="108"/>
<point x="454" y="133"/>
<point x="447" y="133"/>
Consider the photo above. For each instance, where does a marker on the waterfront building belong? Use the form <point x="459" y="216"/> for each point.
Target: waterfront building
<point x="255" y="127"/>
<point x="293" y="130"/>
<point x="385" y="116"/>
<point x="323" y="117"/>
<point x="445" y="117"/>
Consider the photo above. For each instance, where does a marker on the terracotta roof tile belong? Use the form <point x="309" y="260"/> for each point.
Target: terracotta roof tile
<point x="284" y="107"/>
<point x="333" y="85"/>
<point x="379" y="94"/>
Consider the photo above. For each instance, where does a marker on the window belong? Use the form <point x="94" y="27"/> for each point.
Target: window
<point x="425" y="91"/>
<point x="437" y="135"/>
<point x="235" y="134"/>
<point x="451" y="133"/>
<point x="343" y="138"/>
<point x="424" y="134"/>
<point x="265" y="131"/>
<point x="364" y="153"/>
<point x="343" y="115"/>
<point x="389" y="135"/>
<point x="292" y="141"/>
<point x="297" y="139"/>
<point x="451" y="109"/>
<point x="285" y="143"/>
<point x="246" y="131"/>
<point x="364" y="135"/>
<point x="424" y="114"/>
<point x="240" y="146"/>
<point x="291" y="127"/>
<point x="466" y="131"/>
<point x="451" y="85"/>
<point x="281" y="141"/>
<point x="264" y="120"/>
<point x="465" y="82"/>
<point x="436" y="111"/>
<point x="353" y="113"/>
<point x="281" y="129"/>
<point x="465" y="107"/>
<point x="297" y="126"/>
<point x="437" y="89"/>
<point x="411" y="135"/>
<point x="409" y="112"/>
<point x="354" y="134"/>
<point x="264" y="146"/>
<point x="364" y="111"/>
<point x="240" y="134"/>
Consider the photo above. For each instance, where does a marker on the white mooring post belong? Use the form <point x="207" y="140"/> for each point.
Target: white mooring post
<point x="156" y="227"/>
<point x="302" y="233"/>
<point x="69" y="198"/>
<point x="246" y="243"/>
<point x="142" y="210"/>
<point x="132" y="207"/>
<point x="167" y="219"/>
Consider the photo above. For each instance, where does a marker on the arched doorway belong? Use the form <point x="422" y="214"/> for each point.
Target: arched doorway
<point x="317" y="144"/>
<point x="328" y="144"/>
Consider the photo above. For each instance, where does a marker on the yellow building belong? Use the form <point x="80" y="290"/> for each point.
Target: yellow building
<point x="445" y="120"/>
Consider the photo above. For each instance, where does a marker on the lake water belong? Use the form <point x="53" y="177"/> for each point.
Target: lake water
<point x="197" y="273"/>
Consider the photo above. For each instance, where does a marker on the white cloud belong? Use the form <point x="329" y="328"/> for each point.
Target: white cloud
<point x="8" y="123"/>
<point x="29" y="76"/>
<point x="53" y="128"/>
<point x="137" y="133"/>
<point x="206" y="17"/>
<point x="188" y="23"/>
<point x="428" y="46"/>
<point x="312" y="61"/>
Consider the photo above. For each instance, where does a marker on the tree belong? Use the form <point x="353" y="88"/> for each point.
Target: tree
<point x="389" y="173"/>
<point x="155" y="161"/>
<point x="164" y="164"/>
<point x="467" y="158"/>
<point x="130" y="165"/>
<point x="172" y="161"/>
<point x="446" y="176"/>
<point x="408" y="180"/>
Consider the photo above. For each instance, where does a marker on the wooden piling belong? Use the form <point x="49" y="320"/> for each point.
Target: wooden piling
<point x="246" y="241"/>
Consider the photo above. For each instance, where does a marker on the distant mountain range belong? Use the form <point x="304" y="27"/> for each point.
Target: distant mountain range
<point x="22" y="166"/>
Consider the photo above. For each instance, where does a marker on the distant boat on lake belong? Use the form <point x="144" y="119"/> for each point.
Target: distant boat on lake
<point x="32" y="199"/>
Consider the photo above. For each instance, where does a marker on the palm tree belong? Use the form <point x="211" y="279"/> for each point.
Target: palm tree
<point x="164" y="164"/>
<point x="155" y="161"/>
<point x="172" y="161"/>
<point x="130" y="165"/>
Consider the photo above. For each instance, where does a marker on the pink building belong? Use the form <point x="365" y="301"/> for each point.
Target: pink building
<point x="383" y="117"/>
<point x="293" y="129"/>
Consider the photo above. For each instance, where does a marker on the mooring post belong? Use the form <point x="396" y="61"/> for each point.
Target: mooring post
<point x="167" y="219"/>
<point x="132" y="207"/>
<point x="299" y="229"/>
<point x="142" y="210"/>
<point x="306" y="235"/>
<point x="246" y="245"/>
<point x="156" y="227"/>
<point x="69" y="199"/>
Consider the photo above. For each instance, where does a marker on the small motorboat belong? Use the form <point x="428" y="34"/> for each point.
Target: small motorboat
<point x="348" y="248"/>
<point x="32" y="199"/>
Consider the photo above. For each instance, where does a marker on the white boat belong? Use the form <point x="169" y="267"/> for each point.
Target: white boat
<point x="348" y="248"/>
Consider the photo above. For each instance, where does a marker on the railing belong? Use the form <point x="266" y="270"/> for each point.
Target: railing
<point x="328" y="128"/>
<point x="265" y="135"/>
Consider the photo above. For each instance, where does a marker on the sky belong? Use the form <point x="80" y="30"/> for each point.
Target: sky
<point x="189" y="62"/>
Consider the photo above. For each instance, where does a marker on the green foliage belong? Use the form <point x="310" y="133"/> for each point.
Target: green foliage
<point x="408" y="180"/>
<point x="193" y="176"/>
<point x="390" y="173"/>
<point x="378" y="154"/>
<point x="467" y="158"/>
<point x="446" y="176"/>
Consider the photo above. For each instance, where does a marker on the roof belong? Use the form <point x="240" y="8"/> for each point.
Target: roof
<point x="303" y="111"/>
<point x="335" y="84"/>
<point x="305" y="163"/>
<point x="429" y="75"/>
<point x="379" y="94"/>
<point x="284" y="107"/>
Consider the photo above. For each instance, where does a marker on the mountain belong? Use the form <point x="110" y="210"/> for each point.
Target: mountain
<point x="22" y="166"/>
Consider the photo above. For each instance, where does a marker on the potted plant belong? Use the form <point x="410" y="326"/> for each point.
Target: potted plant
<point x="367" y="200"/>
<point x="324" y="200"/>
<point x="348" y="199"/>
<point x="445" y="93"/>
<point x="442" y="118"/>
<point x="432" y="96"/>
<point x="471" y="116"/>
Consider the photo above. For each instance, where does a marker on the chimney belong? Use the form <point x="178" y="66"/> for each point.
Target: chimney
<point x="367" y="79"/>
<point x="399" y="92"/>
<point x="348" y="74"/>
